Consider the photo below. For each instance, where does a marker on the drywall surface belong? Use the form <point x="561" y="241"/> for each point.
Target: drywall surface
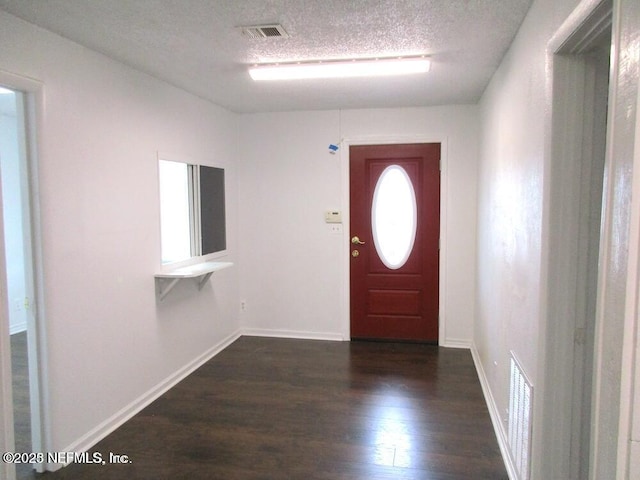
<point x="290" y="258"/>
<point x="511" y="207"/>
<point x="510" y="313"/>
<point x="109" y="342"/>
<point x="295" y="267"/>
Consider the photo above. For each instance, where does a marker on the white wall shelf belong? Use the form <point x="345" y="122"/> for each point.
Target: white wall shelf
<point x="165" y="281"/>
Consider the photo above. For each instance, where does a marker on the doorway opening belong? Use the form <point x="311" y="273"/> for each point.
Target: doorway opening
<point x="16" y="180"/>
<point x="580" y="87"/>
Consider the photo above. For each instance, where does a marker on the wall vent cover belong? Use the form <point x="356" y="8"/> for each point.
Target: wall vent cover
<point x="264" y="31"/>
<point x="520" y="411"/>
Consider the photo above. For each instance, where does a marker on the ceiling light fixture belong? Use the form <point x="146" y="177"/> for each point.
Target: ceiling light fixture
<point x="341" y="69"/>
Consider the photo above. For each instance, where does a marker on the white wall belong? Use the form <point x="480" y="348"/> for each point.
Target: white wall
<point x="294" y="269"/>
<point x="109" y="342"/>
<point x="510" y="206"/>
<point x="10" y="163"/>
<point x="290" y="271"/>
<point x="510" y="311"/>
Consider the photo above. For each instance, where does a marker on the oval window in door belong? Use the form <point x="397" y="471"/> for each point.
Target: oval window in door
<point x="394" y="217"/>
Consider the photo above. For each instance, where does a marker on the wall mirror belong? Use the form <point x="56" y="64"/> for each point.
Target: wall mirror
<point x="192" y="210"/>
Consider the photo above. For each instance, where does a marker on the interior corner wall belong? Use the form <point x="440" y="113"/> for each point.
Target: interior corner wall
<point x="293" y="269"/>
<point x="110" y="344"/>
<point x="510" y="310"/>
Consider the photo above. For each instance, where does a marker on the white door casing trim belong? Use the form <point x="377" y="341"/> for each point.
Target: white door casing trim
<point x="38" y="374"/>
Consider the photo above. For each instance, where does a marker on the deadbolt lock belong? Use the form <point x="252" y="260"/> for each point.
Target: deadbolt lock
<point x="355" y="253"/>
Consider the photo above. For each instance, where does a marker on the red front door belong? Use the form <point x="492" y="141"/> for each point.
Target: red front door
<point x="395" y="231"/>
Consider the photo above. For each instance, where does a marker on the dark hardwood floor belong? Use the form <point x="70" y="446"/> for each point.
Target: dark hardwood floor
<point x="21" y="408"/>
<point x="274" y="409"/>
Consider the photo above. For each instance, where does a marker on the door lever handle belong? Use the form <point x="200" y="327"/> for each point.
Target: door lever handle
<point x="356" y="241"/>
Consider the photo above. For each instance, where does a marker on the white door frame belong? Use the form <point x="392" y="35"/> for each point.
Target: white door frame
<point x="571" y="235"/>
<point x="7" y="442"/>
<point x="629" y="433"/>
<point x="40" y="439"/>
<point x="613" y="257"/>
<point x="615" y="260"/>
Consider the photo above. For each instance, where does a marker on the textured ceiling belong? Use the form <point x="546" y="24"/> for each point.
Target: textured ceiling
<point x="195" y="44"/>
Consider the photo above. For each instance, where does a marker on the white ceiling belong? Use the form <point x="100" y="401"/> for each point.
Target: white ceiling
<point x="195" y="45"/>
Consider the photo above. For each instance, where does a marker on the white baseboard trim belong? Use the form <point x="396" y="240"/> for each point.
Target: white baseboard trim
<point x="301" y="335"/>
<point x="494" y="413"/>
<point x="17" y="328"/>
<point x="88" y="440"/>
<point x="456" y="343"/>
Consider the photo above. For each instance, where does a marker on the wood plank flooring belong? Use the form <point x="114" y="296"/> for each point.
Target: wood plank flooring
<point x="21" y="407"/>
<point x="268" y="408"/>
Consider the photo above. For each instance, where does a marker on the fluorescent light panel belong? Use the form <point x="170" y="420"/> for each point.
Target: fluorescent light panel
<point x="341" y="69"/>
